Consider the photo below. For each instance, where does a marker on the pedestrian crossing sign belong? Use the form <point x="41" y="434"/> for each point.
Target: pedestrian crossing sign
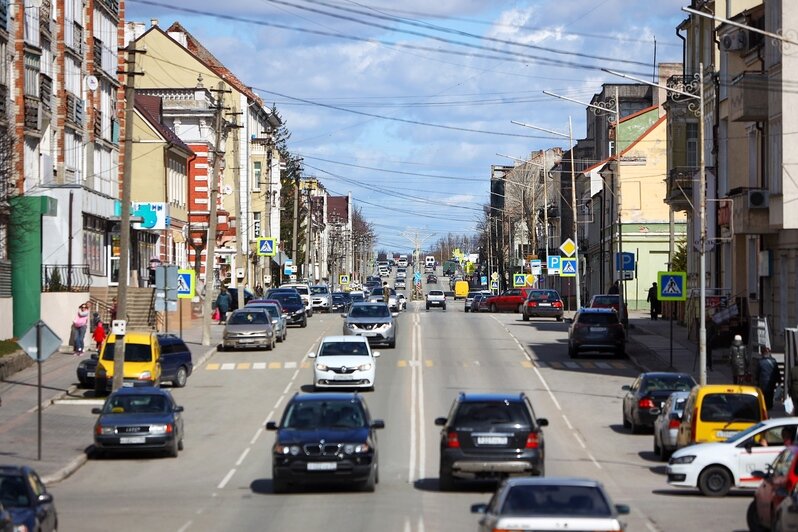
<point x="185" y="284"/>
<point x="343" y="279"/>
<point x="267" y="246"/>
<point x="568" y="267"/>
<point x="494" y="285"/>
<point x="672" y="286"/>
<point x="519" y="280"/>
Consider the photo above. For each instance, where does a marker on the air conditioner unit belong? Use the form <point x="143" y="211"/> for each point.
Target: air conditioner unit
<point x="737" y="40"/>
<point x="758" y="199"/>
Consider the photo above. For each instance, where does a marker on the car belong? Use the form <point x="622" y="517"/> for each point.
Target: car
<point x="376" y="296"/>
<point x="303" y="289"/>
<point x="786" y="513"/>
<point x="6" y="521"/>
<point x="341" y="301"/>
<point x="612" y="301"/>
<point x="139" y="419"/>
<point x="542" y="303"/>
<point x="469" y="299"/>
<point x="666" y="426"/>
<point x="374" y="321"/>
<point x="86" y="370"/>
<point x="778" y="480"/>
<point x="461" y="289"/>
<point x="489" y="436"/>
<point x="482" y="302"/>
<point x="344" y="361"/>
<point x="248" y="327"/>
<point x="293" y="306"/>
<point x="432" y="279"/>
<point x="275" y="310"/>
<point x="400" y="284"/>
<point x="717" y="467"/>
<point x="321" y="298"/>
<point x="325" y="437"/>
<point x="550" y="503"/>
<point x="25" y="497"/>
<point x="401" y="301"/>
<point x="596" y="329"/>
<point x="511" y="300"/>
<point x="646" y="396"/>
<point x="436" y="298"/>
<point x="357" y="296"/>
<point x="401" y="273"/>
<point x="233" y="291"/>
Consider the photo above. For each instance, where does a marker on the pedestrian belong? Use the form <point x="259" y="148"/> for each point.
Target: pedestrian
<point x="768" y="376"/>
<point x="386" y="293"/>
<point x="113" y="309"/>
<point x="738" y="358"/>
<point x="99" y="335"/>
<point x="79" y="326"/>
<point x="615" y="288"/>
<point x="223" y="303"/>
<point x="794" y="388"/>
<point x="653" y="299"/>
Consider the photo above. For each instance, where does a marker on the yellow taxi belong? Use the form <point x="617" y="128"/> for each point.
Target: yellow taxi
<point x="142" y="361"/>
<point x="715" y="412"/>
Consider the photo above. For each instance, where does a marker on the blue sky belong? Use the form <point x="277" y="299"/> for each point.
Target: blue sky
<point x="406" y="104"/>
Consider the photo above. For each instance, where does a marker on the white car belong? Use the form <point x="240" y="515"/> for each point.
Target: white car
<point x="344" y="361"/>
<point x="715" y="468"/>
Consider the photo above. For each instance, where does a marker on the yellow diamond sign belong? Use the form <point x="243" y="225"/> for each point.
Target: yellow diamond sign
<point x="568" y="247"/>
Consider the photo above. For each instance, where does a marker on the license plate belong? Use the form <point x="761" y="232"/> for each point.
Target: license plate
<point x="246" y="341"/>
<point x="492" y="440"/>
<point x="90" y="374"/>
<point x="726" y="433"/>
<point x="127" y="384"/>
<point x="132" y="439"/>
<point x="598" y="329"/>
<point x="322" y="466"/>
<point x="544" y="305"/>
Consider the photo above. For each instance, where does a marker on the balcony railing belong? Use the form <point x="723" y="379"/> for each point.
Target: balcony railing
<point x="32" y="113"/>
<point x="65" y="278"/>
<point x="680" y="184"/>
<point x="98" y="124"/>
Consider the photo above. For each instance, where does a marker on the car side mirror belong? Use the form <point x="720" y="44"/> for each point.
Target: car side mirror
<point x="45" y="498"/>
<point x="622" y="509"/>
<point x="96" y="410"/>
<point x="479" y="508"/>
<point x="376" y="354"/>
<point x="378" y="424"/>
<point x="271" y="425"/>
<point x="179" y="409"/>
<point x="758" y="474"/>
<point x="626" y="387"/>
<point x="543" y="422"/>
<point x="343" y="314"/>
<point x="654" y="411"/>
<point x="311" y="355"/>
<point x="440" y="421"/>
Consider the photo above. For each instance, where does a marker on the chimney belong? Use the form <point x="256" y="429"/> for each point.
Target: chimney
<point x="153" y="22"/>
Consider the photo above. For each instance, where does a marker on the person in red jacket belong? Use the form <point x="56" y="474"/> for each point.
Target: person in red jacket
<point x="99" y="335"/>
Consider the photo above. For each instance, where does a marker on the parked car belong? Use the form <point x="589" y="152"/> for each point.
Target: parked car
<point x="612" y="301"/>
<point x="596" y="329"/>
<point x="24" y="496"/>
<point x="248" y="327"/>
<point x="646" y="397"/>
<point x="511" y="300"/>
<point x="481" y="304"/>
<point x="303" y="290"/>
<point x="550" y="503"/>
<point x="275" y="311"/>
<point x="139" y="419"/>
<point x="489" y="436"/>
<point x="293" y="306"/>
<point x="778" y="480"/>
<point x="542" y="304"/>
<point x="325" y="437"/>
<point x="321" y="298"/>
<point x="469" y="300"/>
<point x="717" y="467"/>
<point x="666" y="426"/>
<point x="86" y="370"/>
<point x="341" y="301"/>
<point x="344" y="361"/>
<point x="374" y="321"/>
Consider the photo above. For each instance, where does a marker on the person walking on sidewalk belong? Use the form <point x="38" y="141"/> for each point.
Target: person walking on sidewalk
<point x="79" y="326"/>
<point x="653" y="299"/>
<point x="223" y="303"/>
<point x="738" y="359"/>
<point x="615" y="288"/>
<point x="768" y="376"/>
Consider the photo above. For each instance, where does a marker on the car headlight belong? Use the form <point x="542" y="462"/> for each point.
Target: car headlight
<point x="364" y="367"/>
<point x="686" y="459"/>
<point x="322" y="367"/>
<point x="269" y="333"/>
<point x="298" y="312"/>
<point x="356" y="448"/>
<point x="351" y="325"/>
<point x="145" y="376"/>
<point x="293" y="450"/>
<point x="160" y="429"/>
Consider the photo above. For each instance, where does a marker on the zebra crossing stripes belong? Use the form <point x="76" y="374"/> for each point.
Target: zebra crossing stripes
<point x="402" y="363"/>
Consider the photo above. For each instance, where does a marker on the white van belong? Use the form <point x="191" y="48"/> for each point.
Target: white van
<point x="429" y="262"/>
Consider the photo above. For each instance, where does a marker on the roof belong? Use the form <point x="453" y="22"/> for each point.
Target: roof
<point x="150" y="108"/>
<point x="345" y="339"/>
<point x="326" y="396"/>
<point x="477" y="397"/>
<point x="548" y="481"/>
<point x="665" y="374"/>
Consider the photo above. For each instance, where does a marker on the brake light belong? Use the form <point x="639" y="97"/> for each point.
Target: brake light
<point x="645" y="402"/>
<point x="673" y="424"/>
<point x="532" y="440"/>
<point x="531" y="303"/>
<point x="557" y="304"/>
<point x="451" y="440"/>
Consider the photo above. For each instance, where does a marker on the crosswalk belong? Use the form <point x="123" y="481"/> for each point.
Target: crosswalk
<point x="401" y="363"/>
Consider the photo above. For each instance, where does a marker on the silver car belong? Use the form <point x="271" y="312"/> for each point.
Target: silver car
<point x="666" y="426"/>
<point x="375" y="321"/>
<point x="321" y="297"/>
<point x="377" y="297"/>
<point x="248" y="327"/>
<point x="279" y="321"/>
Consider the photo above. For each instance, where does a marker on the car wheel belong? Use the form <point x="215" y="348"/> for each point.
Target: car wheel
<point x="752" y="519"/>
<point x="171" y="452"/>
<point x="181" y="377"/>
<point x="626" y="423"/>
<point x="520" y="309"/>
<point x="715" y="481"/>
<point x="446" y="481"/>
<point x="304" y="322"/>
<point x="427" y="307"/>
<point x="465" y="309"/>
<point x="370" y="483"/>
<point x="97" y="453"/>
<point x="180" y="445"/>
<point x="280" y="338"/>
<point x="493" y="307"/>
<point x="279" y="485"/>
<point x="392" y="343"/>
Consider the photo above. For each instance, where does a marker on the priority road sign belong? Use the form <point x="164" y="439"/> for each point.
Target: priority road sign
<point x="553" y="264"/>
<point x="343" y="279"/>
<point x="185" y="284"/>
<point x="494" y="276"/>
<point x="672" y="286"/>
<point x="267" y="246"/>
<point x="568" y="267"/>
<point x="568" y="247"/>
<point x="530" y="279"/>
<point x="519" y="280"/>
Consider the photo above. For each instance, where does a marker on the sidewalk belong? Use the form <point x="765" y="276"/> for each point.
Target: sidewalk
<point x="67" y="421"/>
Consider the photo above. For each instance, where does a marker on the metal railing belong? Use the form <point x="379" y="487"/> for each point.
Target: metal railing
<point x="64" y="278"/>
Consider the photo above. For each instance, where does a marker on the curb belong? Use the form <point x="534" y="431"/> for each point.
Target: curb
<point x="66" y="471"/>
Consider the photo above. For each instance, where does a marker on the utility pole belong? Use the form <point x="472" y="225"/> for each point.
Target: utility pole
<point x="124" y="230"/>
<point x="619" y="256"/>
<point x="577" y="279"/>
<point x="218" y="153"/>
<point x="308" y="263"/>
<point x="242" y="219"/>
<point x="295" y="236"/>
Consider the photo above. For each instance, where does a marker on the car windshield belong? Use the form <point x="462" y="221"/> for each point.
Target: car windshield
<point x="136" y="404"/>
<point x="307" y="415"/>
<point x="369" y="311"/>
<point x="319" y="290"/>
<point x="133" y="352"/>
<point x="13" y="493"/>
<point x="730" y="407"/>
<point x="287" y="298"/>
<point x="604" y="301"/>
<point x="248" y="318"/>
<point x="491" y="413"/>
<point x="664" y="383"/>
<point x="596" y="318"/>
<point x="436" y="292"/>
<point x="544" y="295"/>
<point x="578" y="501"/>
<point x="743" y="434"/>
<point x="344" y="349"/>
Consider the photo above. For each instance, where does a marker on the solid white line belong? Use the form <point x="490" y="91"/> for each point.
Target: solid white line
<point x="241" y="458"/>
<point x="287" y="387"/>
<point x="256" y="436"/>
<point x="567" y="422"/>
<point x="420" y="523"/>
<point x="226" y="479"/>
<point x="422" y="440"/>
<point x="277" y="404"/>
<point x="546" y="386"/>
<point x="407" y="527"/>
<point x="412" y="460"/>
<point x="82" y="402"/>
<point x="184" y="527"/>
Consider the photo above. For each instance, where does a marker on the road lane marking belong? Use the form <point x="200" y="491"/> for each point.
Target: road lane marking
<point x="277" y="404"/>
<point x="287" y="387"/>
<point x="572" y="365"/>
<point x="290" y="365"/>
<point x="580" y="440"/>
<point x="226" y="479"/>
<point x="212" y="366"/>
<point x="228" y="366"/>
<point x="243" y="365"/>
<point x="305" y="364"/>
<point x="241" y="458"/>
<point x="259" y="365"/>
<point x="256" y="436"/>
<point x="567" y="422"/>
<point x="603" y="365"/>
<point x="422" y="444"/>
<point x="184" y="527"/>
<point x="275" y="365"/>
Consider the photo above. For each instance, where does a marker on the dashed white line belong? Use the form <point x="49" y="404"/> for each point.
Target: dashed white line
<point x="241" y="458"/>
<point x="226" y="479"/>
<point x="184" y="527"/>
<point x="280" y="400"/>
<point x="567" y="422"/>
<point x="287" y="387"/>
<point x="256" y="436"/>
<point x="269" y="417"/>
<point x="296" y="374"/>
<point x="580" y="440"/>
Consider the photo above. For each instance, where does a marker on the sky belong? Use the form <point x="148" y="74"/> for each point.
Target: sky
<point x="408" y="104"/>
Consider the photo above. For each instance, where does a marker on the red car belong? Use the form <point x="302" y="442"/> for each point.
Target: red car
<point x="610" y="301"/>
<point x="781" y="478"/>
<point x="511" y="300"/>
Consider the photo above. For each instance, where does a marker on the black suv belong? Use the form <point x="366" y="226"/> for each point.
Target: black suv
<point x="325" y="437"/>
<point x="293" y="306"/>
<point x="596" y="329"/>
<point x="490" y="436"/>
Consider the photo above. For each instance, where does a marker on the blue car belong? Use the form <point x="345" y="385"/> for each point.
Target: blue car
<point x="139" y="418"/>
<point x="24" y="496"/>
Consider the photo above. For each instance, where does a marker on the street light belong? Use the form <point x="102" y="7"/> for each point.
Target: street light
<point x="698" y="110"/>
<point x="570" y="137"/>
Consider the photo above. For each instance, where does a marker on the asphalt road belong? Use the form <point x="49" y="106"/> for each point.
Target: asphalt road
<point x="222" y="479"/>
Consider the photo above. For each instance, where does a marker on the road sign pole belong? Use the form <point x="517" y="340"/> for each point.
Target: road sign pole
<point x="39" y="364"/>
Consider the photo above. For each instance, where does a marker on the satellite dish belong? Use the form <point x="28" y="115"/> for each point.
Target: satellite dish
<point x="92" y="83"/>
<point x="227" y="190"/>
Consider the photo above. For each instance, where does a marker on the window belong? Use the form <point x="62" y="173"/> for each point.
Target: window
<point x="32" y="62"/>
<point x="257" y="172"/>
<point x="692" y="144"/>
<point x="94" y="244"/>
